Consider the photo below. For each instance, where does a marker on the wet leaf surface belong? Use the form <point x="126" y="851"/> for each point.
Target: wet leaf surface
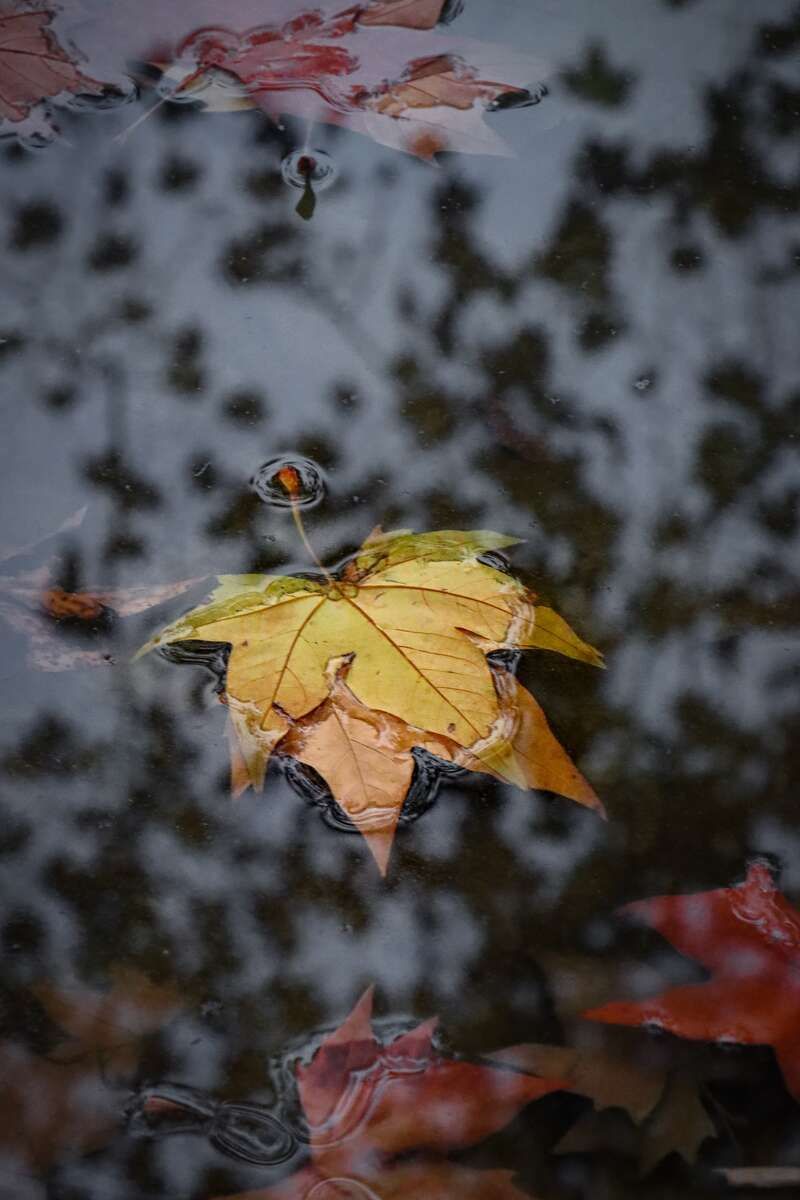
<point x="349" y="675"/>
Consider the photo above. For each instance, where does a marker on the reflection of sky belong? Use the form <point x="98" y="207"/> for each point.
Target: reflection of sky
<point x="685" y="734"/>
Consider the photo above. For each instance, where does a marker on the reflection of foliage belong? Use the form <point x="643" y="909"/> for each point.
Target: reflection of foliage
<point x="597" y="80"/>
<point x="729" y="178"/>
<point x="439" y="361"/>
<point x="579" y="256"/>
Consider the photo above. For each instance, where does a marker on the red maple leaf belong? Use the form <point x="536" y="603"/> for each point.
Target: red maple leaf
<point x="366" y="1103"/>
<point x="33" y="66"/>
<point x="374" y="67"/>
<point x="748" y="938"/>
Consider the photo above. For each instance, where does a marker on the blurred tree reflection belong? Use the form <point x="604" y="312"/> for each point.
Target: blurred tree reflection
<point x="612" y="375"/>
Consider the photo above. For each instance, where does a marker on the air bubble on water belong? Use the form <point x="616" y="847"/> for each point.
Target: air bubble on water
<point x="520" y="98"/>
<point x="450" y="10"/>
<point x="643" y="383"/>
<point x="122" y="90"/>
<point x="310" y="489"/>
<point x="38" y="132"/>
<point x="210" y="655"/>
<point x="247" y="1132"/>
<point x="216" y="90"/>
<point x="304" y="167"/>
<point x="496" y="560"/>
<point x="251" y="1134"/>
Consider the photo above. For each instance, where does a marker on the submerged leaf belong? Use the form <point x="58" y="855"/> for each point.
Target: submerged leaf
<point x="368" y="1104"/>
<point x="625" y="1092"/>
<point x="64" y="1102"/>
<point x="33" y="66"/>
<point x="748" y="937"/>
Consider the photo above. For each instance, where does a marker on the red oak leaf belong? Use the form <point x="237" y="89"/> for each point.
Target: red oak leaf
<point x="748" y="938"/>
<point x="366" y="1102"/>
<point x="33" y="66"/>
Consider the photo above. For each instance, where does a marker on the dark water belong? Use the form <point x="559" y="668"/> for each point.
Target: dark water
<point x="591" y="345"/>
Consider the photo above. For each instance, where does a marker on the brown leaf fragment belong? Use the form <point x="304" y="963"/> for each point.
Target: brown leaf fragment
<point x="31" y="608"/>
<point x="600" y="1132"/>
<point x="430" y="82"/>
<point x="679" y="1125"/>
<point x="608" y="1079"/>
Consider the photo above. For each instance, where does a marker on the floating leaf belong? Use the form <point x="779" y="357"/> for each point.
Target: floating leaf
<point x="414" y="617"/>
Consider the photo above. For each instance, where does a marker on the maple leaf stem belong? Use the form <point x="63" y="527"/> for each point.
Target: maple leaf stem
<point x="301" y="529"/>
<point x="121" y="138"/>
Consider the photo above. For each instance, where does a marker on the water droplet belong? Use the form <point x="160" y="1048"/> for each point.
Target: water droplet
<point x="302" y="167"/>
<point x="286" y="480"/>
<point x="210" y="655"/>
<point x="251" y="1134"/>
<point x="450" y="10"/>
<point x="40" y="137"/>
<point x="496" y="560"/>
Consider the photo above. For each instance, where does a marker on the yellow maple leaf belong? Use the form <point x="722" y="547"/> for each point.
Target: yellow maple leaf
<point x="414" y="615"/>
